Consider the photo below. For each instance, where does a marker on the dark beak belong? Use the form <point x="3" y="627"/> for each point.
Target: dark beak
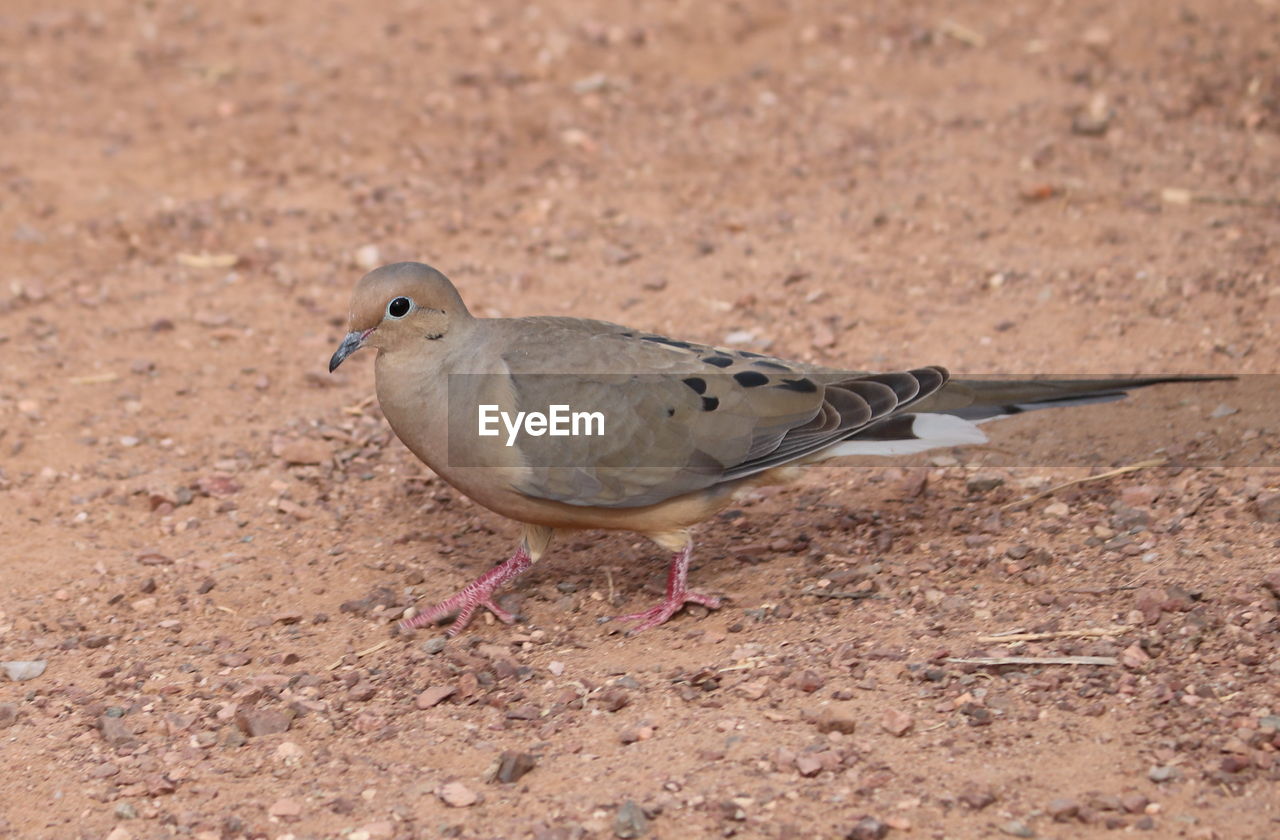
<point x="353" y="342"/>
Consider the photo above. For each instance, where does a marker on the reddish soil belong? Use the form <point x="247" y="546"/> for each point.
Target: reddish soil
<point x="206" y="537"/>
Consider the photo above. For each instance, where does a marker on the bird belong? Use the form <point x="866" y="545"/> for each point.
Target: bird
<point x="684" y="428"/>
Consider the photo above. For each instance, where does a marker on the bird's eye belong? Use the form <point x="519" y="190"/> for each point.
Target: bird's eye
<point x="399" y="307"/>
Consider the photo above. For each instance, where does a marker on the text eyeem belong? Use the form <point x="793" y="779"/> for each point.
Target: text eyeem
<point x="558" y="421"/>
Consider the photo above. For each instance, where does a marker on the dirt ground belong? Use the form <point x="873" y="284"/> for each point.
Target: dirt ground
<point x="207" y="537"/>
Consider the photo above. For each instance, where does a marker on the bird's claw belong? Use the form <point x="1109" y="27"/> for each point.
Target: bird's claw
<point x="672" y="604"/>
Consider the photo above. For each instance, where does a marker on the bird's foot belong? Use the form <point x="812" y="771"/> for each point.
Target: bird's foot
<point x="677" y="595"/>
<point x="669" y="606"/>
<point x="463" y="607"/>
<point x="478" y="593"/>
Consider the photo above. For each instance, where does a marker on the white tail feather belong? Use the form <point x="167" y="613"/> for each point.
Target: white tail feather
<point x="932" y="431"/>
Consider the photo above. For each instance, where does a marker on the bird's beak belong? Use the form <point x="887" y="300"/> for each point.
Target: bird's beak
<point x="353" y="342"/>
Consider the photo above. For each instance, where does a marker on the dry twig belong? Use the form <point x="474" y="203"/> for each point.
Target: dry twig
<point x="1055" y="634"/>
<point x="1141" y="465"/>
<point x="361" y="653"/>
<point x="1238" y="200"/>
<point x="1100" y="590"/>
<point x="1035" y="660"/>
<point x="966" y="35"/>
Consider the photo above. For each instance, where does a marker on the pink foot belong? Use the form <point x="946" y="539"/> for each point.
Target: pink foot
<point x="478" y="593"/>
<point x="677" y="596"/>
<point x="670" y="605"/>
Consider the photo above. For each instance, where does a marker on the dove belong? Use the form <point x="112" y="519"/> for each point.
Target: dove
<point x="671" y="431"/>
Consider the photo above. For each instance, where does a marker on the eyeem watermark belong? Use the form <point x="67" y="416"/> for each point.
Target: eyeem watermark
<point x="559" y="421"/>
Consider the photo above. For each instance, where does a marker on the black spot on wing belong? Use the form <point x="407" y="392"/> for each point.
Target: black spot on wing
<point x="750" y="378"/>
<point x="801" y="385"/>
<point x="671" y="412"/>
<point x="719" y="361"/>
<point x="697" y="383"/>
<point x="771" y="365"/>
<point x="747" y="354"/>
<point x="670" y="342"/>
<point x="710" y="403"/>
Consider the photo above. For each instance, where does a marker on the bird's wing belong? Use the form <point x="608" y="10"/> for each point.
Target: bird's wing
<point x="675" y="417"/>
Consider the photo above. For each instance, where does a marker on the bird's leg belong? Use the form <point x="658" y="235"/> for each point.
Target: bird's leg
<point x="677" y="594"/>
<point x="479" y="593"/>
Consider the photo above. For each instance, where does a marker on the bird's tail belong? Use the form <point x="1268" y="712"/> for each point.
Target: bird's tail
<point x="951" y="415"/>
<point x="979" y="400"/>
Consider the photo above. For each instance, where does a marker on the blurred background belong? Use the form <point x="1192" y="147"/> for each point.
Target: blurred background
<point x="879" y="182"/>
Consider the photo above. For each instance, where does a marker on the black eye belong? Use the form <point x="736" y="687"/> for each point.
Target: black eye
<point x="399" y="307"/>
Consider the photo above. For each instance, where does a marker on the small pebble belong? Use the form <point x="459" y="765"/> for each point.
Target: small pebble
<point x="868" y="828"/>
<point x="1063" y="808"/>
<point x="1267" y="508"/>
<point x="288" y="809"/>
<point x="1134" y="803"/>
<point x="380" y="830"/>
<point x="288" y="752"/>
<point x="637" y="733"/>
<point x="362" y="692"/>
<point x="807" y="681"/>
<point x="896" y="722"/>
<point x="434" y="695"/>
<point x="512" y="766"/>
<point x="977" y="799"/>
<point x="368" y="257"/>
<point x="457" y="795"/>
<point x="836" y="717"/>
<point x="20" y="670"/>
<point x="630" y="821"/>
<point x="808" y="764"/>
<point x="983" y="483"/>
<point x="258" y="722"/>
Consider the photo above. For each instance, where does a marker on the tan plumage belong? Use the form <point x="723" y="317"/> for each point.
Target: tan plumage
<point x="686" y="425"/>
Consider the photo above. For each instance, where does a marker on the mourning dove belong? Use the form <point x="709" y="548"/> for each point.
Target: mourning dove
<point x="683" y="426"/>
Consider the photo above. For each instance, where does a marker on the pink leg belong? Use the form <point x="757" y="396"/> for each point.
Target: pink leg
<point x="677" y="595"/>
<point x="478" y="593"/>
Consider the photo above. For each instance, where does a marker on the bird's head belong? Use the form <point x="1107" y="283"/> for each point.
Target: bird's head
<point x="399" y="305"/>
